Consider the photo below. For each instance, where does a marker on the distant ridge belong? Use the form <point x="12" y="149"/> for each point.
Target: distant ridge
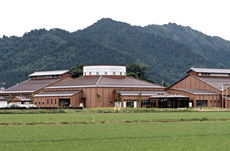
<point x="169" y="50"/>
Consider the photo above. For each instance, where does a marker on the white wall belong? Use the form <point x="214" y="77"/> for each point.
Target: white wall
<point x="3" y="103"/>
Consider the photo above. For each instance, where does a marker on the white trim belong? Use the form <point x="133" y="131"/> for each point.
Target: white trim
<point x="99" y="80"/>
<point x="54" y="87"/>
<point x="110" y="86"/>
<point x="138" y="94"/>
<point x="206" y="93"/>
<point x="43" y="95"/>
<point x="124" y="104"/>
<point x="16" y="92"/>
<point x="135" y="104"/>
<point x="48" y="73"/>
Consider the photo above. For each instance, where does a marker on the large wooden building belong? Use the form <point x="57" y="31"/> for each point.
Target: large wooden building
<point x="205" y="87"/>
<point x="100" y="87"/>
<point x="108" y="86"/>
<point x="23" y="92"/>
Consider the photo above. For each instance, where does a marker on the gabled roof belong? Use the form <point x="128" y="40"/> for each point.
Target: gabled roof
<point x="216" y="82"/>
<point x="106" y="81"/>
<point x="48" y="73"/>
<point x="30" y="86"/>
<point x="198" y="91"/>
<point x="209" y="70"/>
<point x="23" y="98"/>
<point x="2" y="98"/>
<point x="57" y="93"/>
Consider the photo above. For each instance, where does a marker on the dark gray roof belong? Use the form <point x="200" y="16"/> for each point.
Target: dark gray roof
<point x="30" y="85"/>
<point x="216" y="82"/>
<point x="57" y="93"/>
<point x="81" y="81"/>
<point x="106" y="81"/>
<point x="143" y="93"/>
<point x="209" y="70"/>
<point x="2" y="98"/>
<point x="198" y="91"/>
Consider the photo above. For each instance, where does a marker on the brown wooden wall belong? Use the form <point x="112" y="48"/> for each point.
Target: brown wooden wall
<point x="108" y="95"/>
<point x="75" y="100"/>
<point x="191" y="82"/>
<point x="212" y="100"/>
<point x="133" y="98"/>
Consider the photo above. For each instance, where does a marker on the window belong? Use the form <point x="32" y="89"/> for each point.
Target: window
<point x="205" y="74"/>
<point x="51" y="101"/>
<point x="90" y="73"/>
<point x="42" y="102"/>
<point x="55" y="101"/>
<point x="35" y="102"/>
<point x="120" y="73"/>
<point x="38" y="102"/>
<point x="47" y="101"/>
<point x="114" y="73"/>
<point x="97" y="73"/>
<point x="106" y="73"/>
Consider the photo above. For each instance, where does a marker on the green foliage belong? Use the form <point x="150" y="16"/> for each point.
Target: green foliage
<point x="175" y="136"/>
<point x="118" y="96"/>
<point x="137" y="71"/>
<point x="168" y="51"/>
<point x="77" y="70"/>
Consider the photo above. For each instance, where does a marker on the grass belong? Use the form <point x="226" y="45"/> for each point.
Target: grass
<point x="141" y="131"/>
<point x="110" y="117"/>
<point x="118" y="136"/>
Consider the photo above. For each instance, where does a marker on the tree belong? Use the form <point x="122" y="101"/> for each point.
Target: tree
<point x="77" y="70"/>
<point x="98" y="98"/>
<point x="139" y="97"/>
<point x="137" y="71"/>
<point x="118" y="98"/>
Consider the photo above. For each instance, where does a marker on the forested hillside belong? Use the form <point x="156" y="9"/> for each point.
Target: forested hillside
<point x="212" y="48"/>
<point x="169" y="50"/>
<point x="166" y="56"/>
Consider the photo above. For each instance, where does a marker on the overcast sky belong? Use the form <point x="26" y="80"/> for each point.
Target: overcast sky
<point x="19" y="16"/>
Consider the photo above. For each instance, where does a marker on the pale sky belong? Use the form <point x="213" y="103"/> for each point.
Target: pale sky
<point x="19" y="16"/>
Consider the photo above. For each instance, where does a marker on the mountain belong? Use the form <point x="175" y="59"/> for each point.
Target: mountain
<point x="212" y="48"/>
<point x="169" y="50"/>
<point x="46" y="50"/>
<point x="167" y="56"/>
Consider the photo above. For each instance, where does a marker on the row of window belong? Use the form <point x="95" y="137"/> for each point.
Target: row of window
<point x="106" y="73"/>
<point x="42" y="77"/>
<point x="48" y="101"/>
<point x="51" y="101"/>
<point x="214" y="101"/>
<point x="133" y="100"/>
<point x="214" y="74"/>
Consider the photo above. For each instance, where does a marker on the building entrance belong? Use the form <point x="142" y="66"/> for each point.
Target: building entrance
<point x="64" y="102"/>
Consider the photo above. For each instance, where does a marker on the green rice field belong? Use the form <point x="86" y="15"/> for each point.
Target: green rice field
<point x="116" y="131"/>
